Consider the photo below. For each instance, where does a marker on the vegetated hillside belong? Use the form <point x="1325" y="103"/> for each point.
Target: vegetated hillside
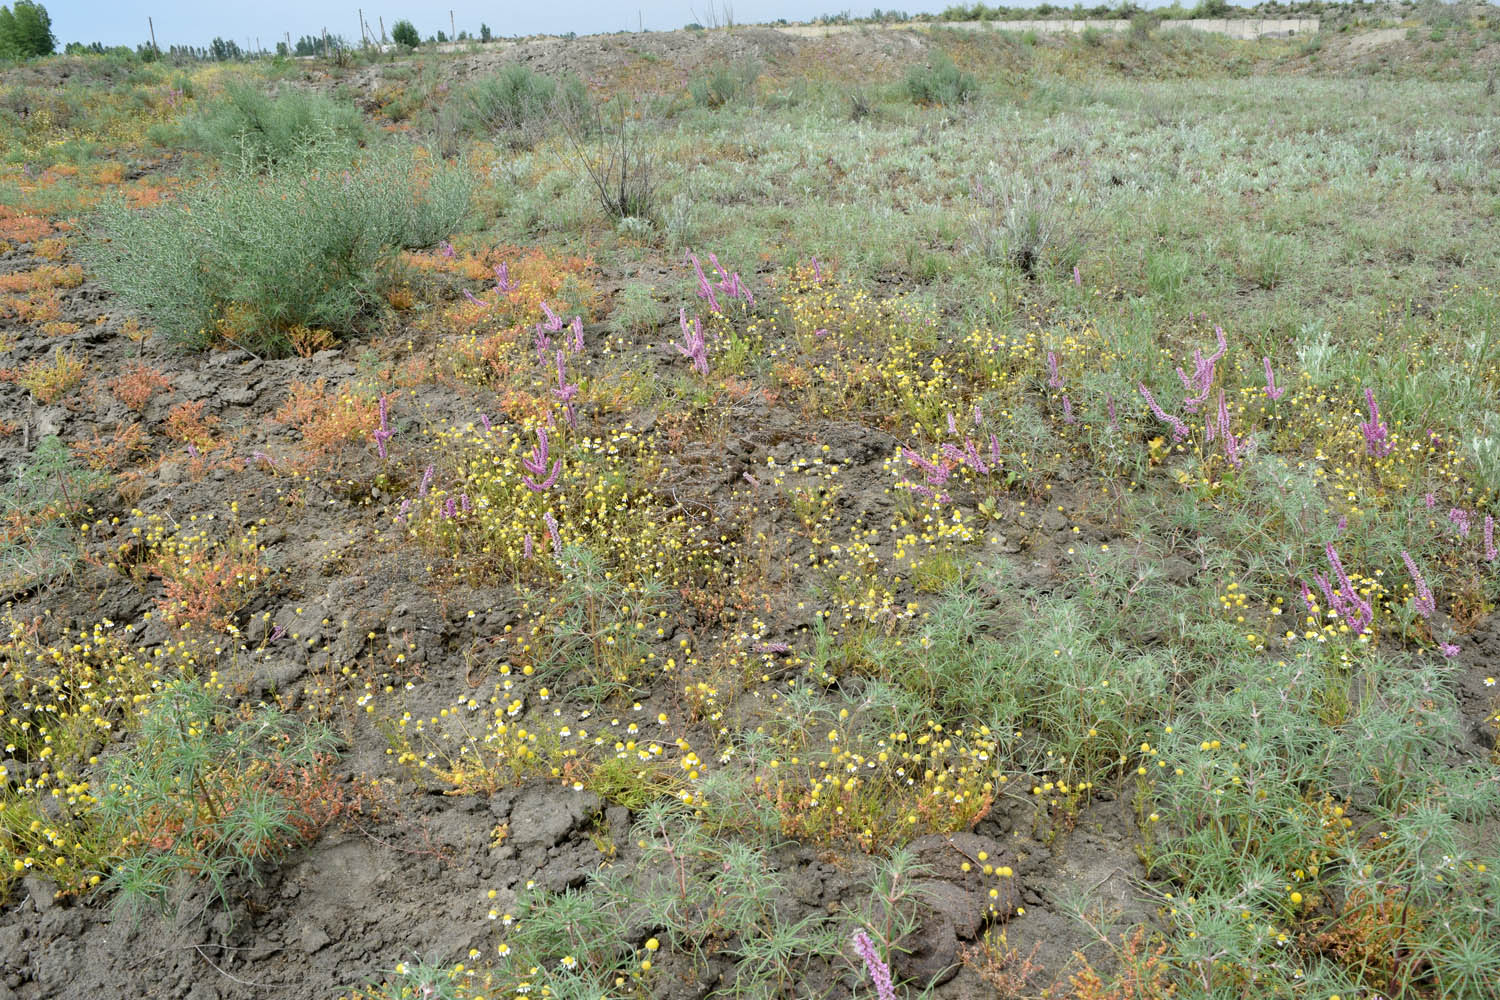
<point x="722" y="512"/>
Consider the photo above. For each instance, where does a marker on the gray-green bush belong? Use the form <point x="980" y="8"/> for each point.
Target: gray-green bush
<point x="259" y="132"/>
<point x="516" y="104"/>
<point x="940" y="82"/>
<point x="249" y="259"/>
<point x="725" y="84"/>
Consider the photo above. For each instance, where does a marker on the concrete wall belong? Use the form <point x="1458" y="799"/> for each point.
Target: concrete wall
<point x="1242" y="28"/>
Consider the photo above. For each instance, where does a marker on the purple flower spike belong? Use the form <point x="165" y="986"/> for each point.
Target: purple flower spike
<point x="1068" y="417"/>
<point x="1377" y="434"/>
<point x="693" y="346"/>
<point x="554" y="321"/>
<point x="577" y="344"/>
<point x="426" y="482"/>
<point x="552" y="530"/>
<point x="488" y="427"/>
<point x="1356" y="611"/>
<point x="1054" y="378"/>
<point x="1448" y="649"/>
<point x="503" y="284"/>
<point x="1272" y="391"/>
<point x="475" y="299"/>
<point x="705" y="290"/>
<point x="1179" y="429"/>
<point x="1490" y="552"/>
<point x="565" y="390"/>
<point x="1459" y="518"/>
<point x="526" y="547"/>
<point x="535" y="465"/>
<point x="447" y="250"/>
<point x="1423" y="602"/>
<point x="817" y="272"/>
<point x="383" y="433"/>
<point x="880" y="973"/>
<point x="1077" y="277"/>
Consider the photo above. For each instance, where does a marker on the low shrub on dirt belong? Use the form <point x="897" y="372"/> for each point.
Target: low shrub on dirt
<point x="516" y="104"/>
<point x="940" y="82"/>
<point x="257" y="131"/>
<point x="249" y="260"/>
<point x="725" y="84"/>
<point x="206" y="793"/>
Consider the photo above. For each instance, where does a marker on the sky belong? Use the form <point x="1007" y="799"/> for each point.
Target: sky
<point x="193" y="22"/>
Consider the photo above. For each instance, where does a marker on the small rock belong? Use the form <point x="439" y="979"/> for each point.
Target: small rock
<point x="546" y="815"/>
<point x="314" y="939"/>
<point x="929" y="954"/>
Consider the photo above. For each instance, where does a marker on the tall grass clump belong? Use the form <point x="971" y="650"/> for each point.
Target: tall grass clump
<point x="515" y="104"/>
<point x="725" y="84"/>
<point x="259" y="131"/>
<point x="940" y="82"/>
<point x="251" y="259"/>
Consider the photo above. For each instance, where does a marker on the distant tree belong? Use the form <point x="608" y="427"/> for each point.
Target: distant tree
<point x="26" y="31"/>
<point x="484" y="32"/>
<point x="282" y="51"/>
<point x="441" y="37"/>
<point x="221" y="50"/>
<point x="404" y="34"/>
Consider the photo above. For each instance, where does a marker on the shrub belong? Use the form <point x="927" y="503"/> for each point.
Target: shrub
<point x="1029" y="225"/>
<point x="250" y="259"/>
<point x="404" y="34"/>
<point x="262" y="131"/>
<point x="206" y="794"/>
<point x="725" y="84"/>
<point x="620" y="166"/>
<point x="515" y="103"/>
<point x="940" y="82"/>
<point x="38" y="506"/>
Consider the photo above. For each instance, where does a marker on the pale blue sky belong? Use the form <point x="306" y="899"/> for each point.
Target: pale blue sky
<point x="193" y="22"/>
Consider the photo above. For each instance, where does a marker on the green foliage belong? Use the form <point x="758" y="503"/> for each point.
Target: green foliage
<point x="260" y="132"/>
<point x="940" y="82"/>
<point x="639" y="310"/>
<point x="249" y="259"/>
<point x="595" y="628"/>
<point x="26" y="31"/>
<point x="515" y="104"/>
<point x="725" y="84"/>
<point x="404" y="34"/>
<point x="197" y="796"/>
<point x="41" y="501"/>
<point x="1029" y="224"/>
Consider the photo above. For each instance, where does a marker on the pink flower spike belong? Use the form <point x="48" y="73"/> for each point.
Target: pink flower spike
<point x="879" y="972"/>
<point x="1272" y="392"/>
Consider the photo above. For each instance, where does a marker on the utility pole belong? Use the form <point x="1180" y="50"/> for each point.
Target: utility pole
<point x="381" y="19"/>
<point x="152" y="28"/>
<point x="360" y="12"/>
<point x="452" y="30"/>
<point x="325" y="41"/>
